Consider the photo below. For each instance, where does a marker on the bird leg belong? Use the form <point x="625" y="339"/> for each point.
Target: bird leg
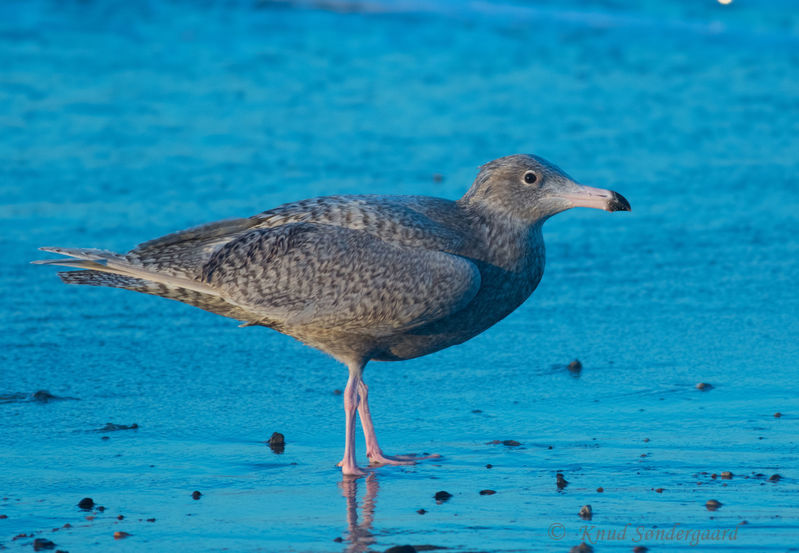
<point x="348" y="465"/>
<point x="373" y="451"/>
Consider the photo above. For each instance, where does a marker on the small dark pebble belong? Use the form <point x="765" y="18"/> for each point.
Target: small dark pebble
<point x="111" y="427"/>
<point x="338" y="539"/>
<point x="422" y="511"/>
<point x="582" y="548"/>
<point x="575" y="366"/>
<point x="774" y="478"/>
<point x="561" y="481"/>
<point x="87" y="503"/>
<point x="487" y="492"/>
<point x="277" y="442"/>
<point x="442" y="496"/>
<point x="640" y="549"/>
<point x="586" y="512"/>
<point x="489" y="465"/>
<point x="196" y="495"/>
<point x="704" y="386"/>
<point x="713" y="505"/>
<point x="401" y="549"/>
<point x="42" y="396"/>
<point x="40" y="543"/>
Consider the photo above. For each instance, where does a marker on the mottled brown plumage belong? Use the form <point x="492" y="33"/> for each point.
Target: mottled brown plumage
<point x="363" y="277"/>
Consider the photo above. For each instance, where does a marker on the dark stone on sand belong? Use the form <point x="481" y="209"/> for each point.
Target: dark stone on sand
<point x="774" y="478"/>
<point x="40" y="544"/>
<point x="111" y="427"/>
<point x="196" y="495"/>
<point x="43" y="396"/>
<point x="401" y="549"/>
<point x="338" y="539"/>
<point x="422" y="511"/>
<point x="704" y="386"/>
<point x="561" y="481"/>
<point x="277" y="442"/>
<point x="713" y="505"/>
<point x="582" y="548"/>
<point x="487" y="492"/>
<point x="442" y="496"/>
<point x="87" y="503"/>
<point x="586" y="512"/>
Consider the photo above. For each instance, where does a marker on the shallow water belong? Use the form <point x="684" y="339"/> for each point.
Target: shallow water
<point x="124" y="121"/>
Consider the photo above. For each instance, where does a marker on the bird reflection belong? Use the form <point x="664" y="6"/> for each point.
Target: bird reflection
<point x="359" y="536"/>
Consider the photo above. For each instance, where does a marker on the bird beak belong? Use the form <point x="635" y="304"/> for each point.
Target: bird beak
<point x="598" y="198"/>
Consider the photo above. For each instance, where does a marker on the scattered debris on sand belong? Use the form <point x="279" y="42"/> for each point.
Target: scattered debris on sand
<point x="442" y="496"/>
<point x="713" y="505"/>
<point x="277" y="443"/>
<point x="112" y="427"/>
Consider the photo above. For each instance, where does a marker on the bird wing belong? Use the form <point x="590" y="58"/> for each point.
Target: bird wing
<point x="331" y="279"/>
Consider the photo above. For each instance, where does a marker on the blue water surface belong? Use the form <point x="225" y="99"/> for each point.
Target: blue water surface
<point x="123" y="121"/>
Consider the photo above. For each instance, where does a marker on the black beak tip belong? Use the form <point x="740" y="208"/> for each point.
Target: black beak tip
<point x="618" y="203"/>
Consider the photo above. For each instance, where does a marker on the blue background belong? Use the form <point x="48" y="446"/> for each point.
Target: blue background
<point x="122" y="121"/>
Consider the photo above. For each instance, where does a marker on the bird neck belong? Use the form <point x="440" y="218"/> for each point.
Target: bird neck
<point x="506" y="241"/>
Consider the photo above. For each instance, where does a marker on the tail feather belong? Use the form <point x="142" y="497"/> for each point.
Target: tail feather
<point x="109" y="262"/>
<point x="197" y="299"/>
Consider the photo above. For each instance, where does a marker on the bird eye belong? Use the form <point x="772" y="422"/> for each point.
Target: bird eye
<point x="530" y="177"/>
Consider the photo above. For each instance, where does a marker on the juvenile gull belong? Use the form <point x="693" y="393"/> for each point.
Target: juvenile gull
<point x="362" y="277"/>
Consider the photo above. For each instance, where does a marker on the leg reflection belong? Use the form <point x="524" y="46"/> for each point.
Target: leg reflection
<point x="359" y="538"/>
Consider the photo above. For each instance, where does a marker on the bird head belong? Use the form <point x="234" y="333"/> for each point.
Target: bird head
<point x="531" y="189"/>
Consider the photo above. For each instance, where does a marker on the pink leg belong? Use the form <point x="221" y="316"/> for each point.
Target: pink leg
<point x="348" y="465"/>
<point x="373" y="451"/>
